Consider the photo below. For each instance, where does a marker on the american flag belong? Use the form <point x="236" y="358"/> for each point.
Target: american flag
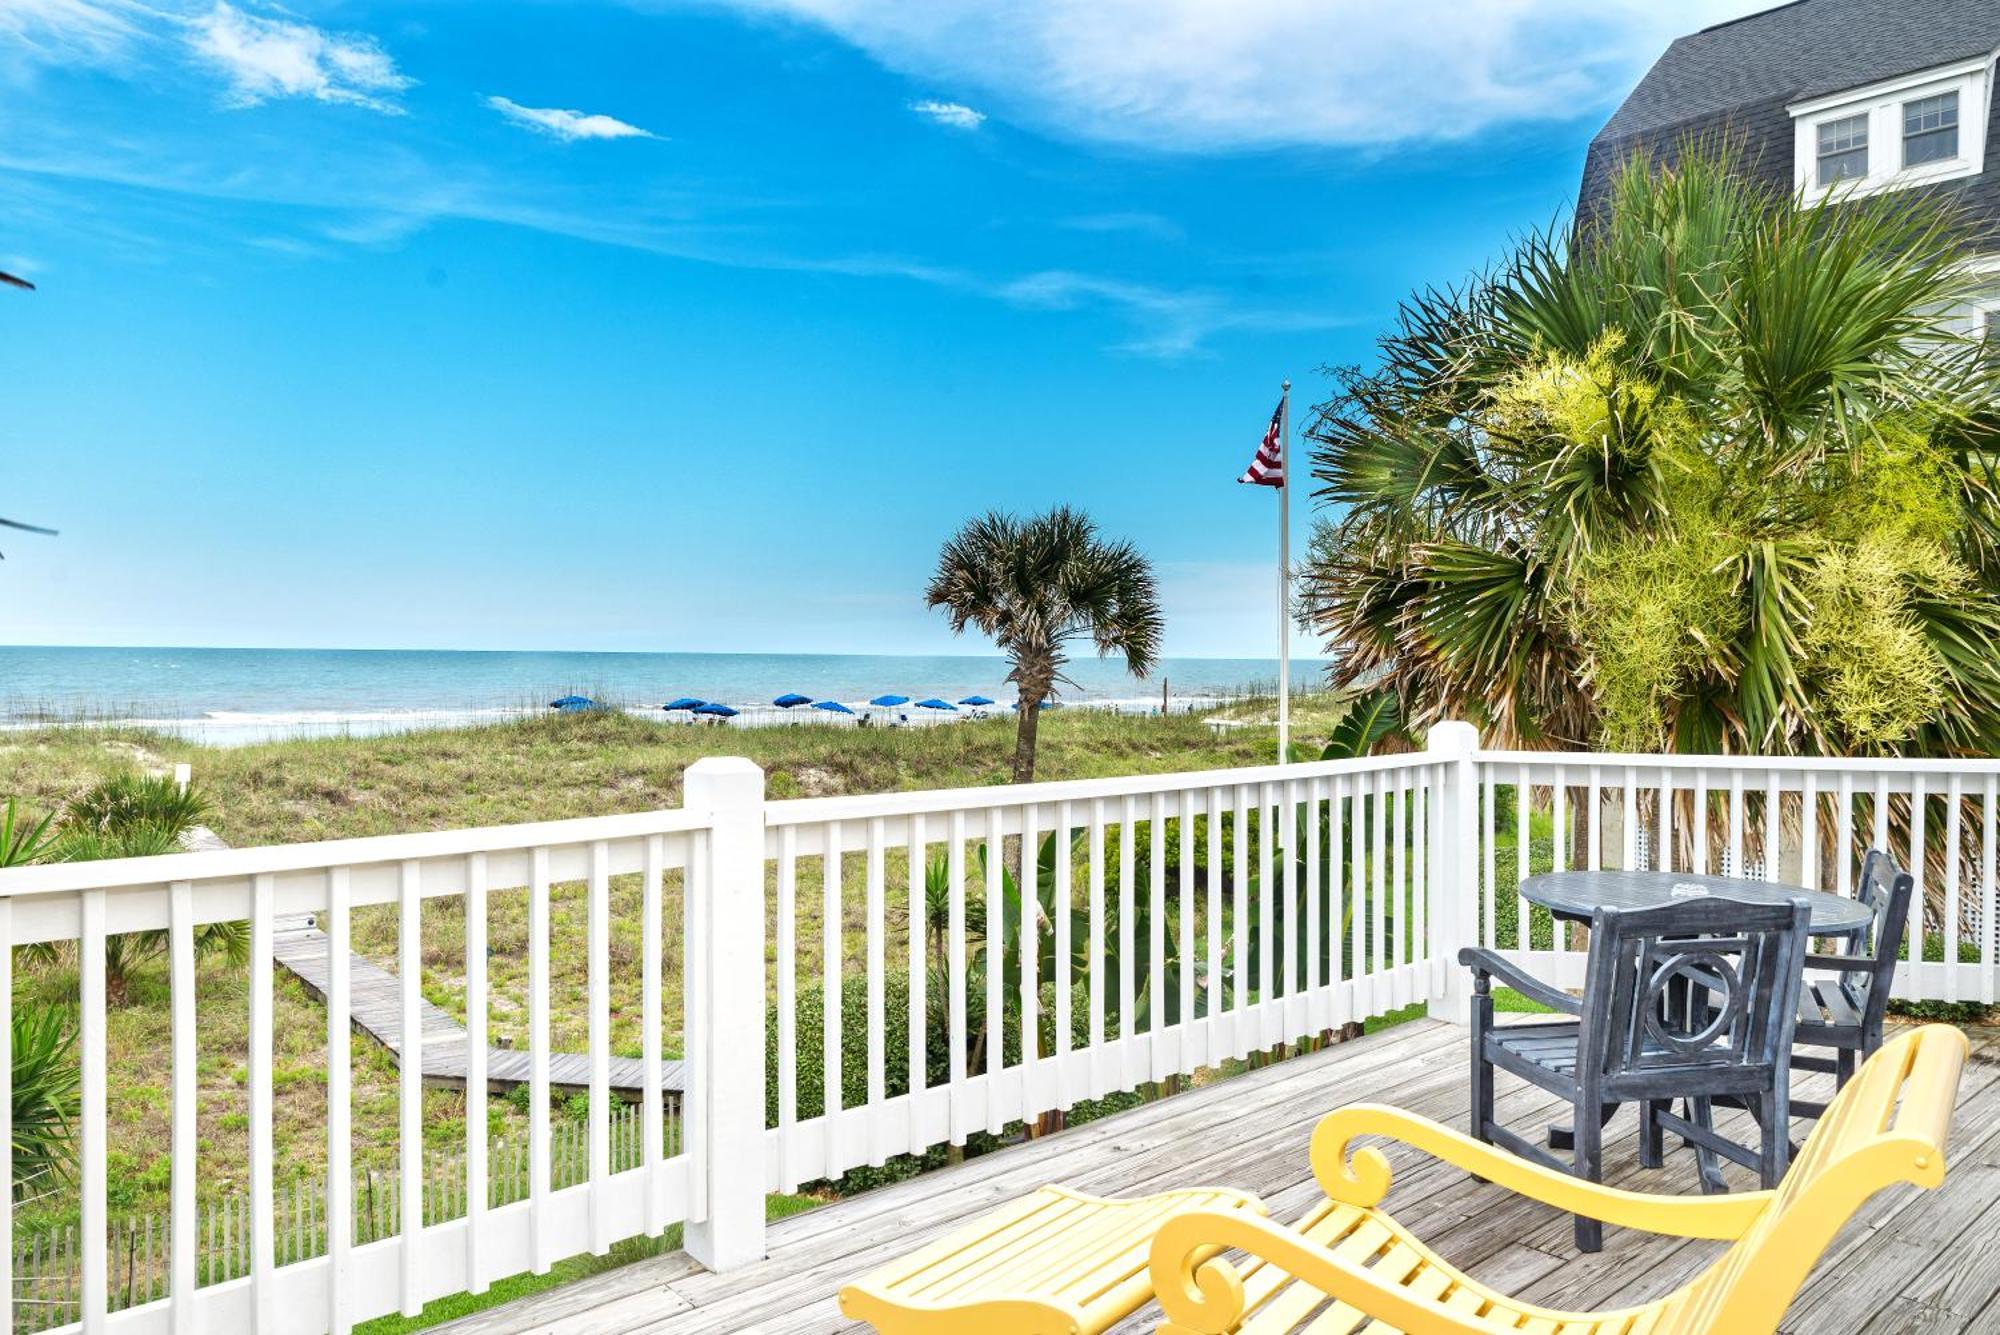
<point x="1268" y="468"/>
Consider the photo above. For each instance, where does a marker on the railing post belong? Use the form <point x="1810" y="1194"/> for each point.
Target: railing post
<point x="1454" y="920"/>
<point x="726" y="1046"/>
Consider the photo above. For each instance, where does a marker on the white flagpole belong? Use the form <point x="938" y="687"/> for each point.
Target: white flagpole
<point x="1285" y="578"/>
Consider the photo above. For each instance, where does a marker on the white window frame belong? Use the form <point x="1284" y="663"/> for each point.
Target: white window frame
<point x="1883" y="104"/>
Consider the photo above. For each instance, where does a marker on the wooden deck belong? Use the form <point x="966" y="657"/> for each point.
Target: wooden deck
<point x="1913" y="1261"/>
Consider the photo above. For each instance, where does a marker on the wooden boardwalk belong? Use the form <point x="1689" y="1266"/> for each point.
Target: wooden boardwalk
<point x="1911" y="1261"/>
<point x="377" y="1007"/>
<point x="377" y="998"/>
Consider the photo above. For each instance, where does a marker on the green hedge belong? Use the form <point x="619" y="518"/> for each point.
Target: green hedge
<point x="809" y="1052"/>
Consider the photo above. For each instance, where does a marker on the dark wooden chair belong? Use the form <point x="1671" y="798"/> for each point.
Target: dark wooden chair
<point x="1845" y="996"/>
<point x="1632" y="1040"/>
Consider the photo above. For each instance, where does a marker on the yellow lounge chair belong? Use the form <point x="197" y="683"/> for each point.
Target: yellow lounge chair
<point x="1054" y="1262"/>
<point x="1347" y="1263"/>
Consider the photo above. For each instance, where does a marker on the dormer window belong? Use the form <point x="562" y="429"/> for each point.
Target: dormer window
<point x="1843" y="150"/>
<point x="1930" y="129"/>
<point x="1915" y="130"/>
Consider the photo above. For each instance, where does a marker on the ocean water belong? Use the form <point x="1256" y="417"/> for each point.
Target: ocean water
<point x="236" y="696"/>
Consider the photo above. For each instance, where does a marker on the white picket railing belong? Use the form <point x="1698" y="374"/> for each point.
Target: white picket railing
<point x="1800" y="821"/>
<point x="1200" y="1003"/>
<point x="84" y="903"/>
<point x="1177" y="922"/>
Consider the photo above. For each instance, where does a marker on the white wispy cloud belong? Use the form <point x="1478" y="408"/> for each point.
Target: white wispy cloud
<point x="1136" y="222"/>
<point x="954" y="114"/>
<point x="262" y="58"/>
<point x="61" y="32"/>
<point x="1167" y="322"/>
<point x="566" y="125"/>
<point x="1195" y="75"/>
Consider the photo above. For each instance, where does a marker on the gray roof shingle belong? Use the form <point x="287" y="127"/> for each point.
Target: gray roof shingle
<point x="1735" y="80"/>
<point x="1801" y="50"/>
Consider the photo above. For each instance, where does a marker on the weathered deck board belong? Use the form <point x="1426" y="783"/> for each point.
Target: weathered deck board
<point x="301" y="948"/>
<point x="1913" y="1260"/>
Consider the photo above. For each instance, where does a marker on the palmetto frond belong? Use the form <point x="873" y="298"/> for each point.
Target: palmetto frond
<point x="1711" y="393"/>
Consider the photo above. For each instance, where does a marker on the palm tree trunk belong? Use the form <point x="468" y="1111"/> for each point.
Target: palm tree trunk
<point x="1030" y="718"/>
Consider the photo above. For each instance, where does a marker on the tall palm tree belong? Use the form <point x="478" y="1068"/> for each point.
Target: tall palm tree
<point x="1037" y="585"/>
<point x="1708" y="473"/>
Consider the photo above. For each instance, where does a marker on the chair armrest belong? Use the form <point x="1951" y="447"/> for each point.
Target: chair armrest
<point x="1529" y="986"/>
<point x="1361" y="1177"/>
<point x="1844" y="963"/>
<point x="1202" y="1293"/>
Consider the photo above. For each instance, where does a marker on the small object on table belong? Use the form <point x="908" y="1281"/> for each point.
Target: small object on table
<point x="1055" y="1262"/>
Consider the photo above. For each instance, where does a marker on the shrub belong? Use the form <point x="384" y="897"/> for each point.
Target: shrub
<point x="811" y="1060"/>
<point x="131" y="800"/>
<point x="132" y="815"/>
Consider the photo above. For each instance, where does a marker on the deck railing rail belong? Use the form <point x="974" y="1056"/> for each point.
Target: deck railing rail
<point x="873" y="976"/>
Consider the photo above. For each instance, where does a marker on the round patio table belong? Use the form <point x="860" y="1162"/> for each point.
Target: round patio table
<point x="1575" y="895"/>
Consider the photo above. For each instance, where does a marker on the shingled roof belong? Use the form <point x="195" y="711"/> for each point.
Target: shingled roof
<point x="1737" y="79"/>
<point x="1801" y="50"/>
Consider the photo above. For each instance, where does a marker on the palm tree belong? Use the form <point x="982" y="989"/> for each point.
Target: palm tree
<point x="1037" y="585"/>
<point x="1708" y="473"/>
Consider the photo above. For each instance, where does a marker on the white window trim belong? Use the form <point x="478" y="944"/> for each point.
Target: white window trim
<point x="1883" y="103"/>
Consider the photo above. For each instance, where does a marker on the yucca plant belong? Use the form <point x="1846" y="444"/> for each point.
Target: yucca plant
<point x="45" y="1085"/>
<point x="125" y="953"/>
<point x="22" y="844"/>
<point x="127" y="815"/>
<point x="131" y="800"/>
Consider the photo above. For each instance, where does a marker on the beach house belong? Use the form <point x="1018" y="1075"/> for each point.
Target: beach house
<point x="1855" y="96"/>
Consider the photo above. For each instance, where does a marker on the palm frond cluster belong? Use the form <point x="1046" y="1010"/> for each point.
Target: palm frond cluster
<point x="1710" y="472"/>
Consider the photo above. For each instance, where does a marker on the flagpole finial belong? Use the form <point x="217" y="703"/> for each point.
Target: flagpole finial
<point x="1288" y="387"/>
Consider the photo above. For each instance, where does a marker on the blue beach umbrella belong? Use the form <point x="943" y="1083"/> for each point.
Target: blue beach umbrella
<point x="571" y="703"/>
<point x="832" y="707"/>
<point x="685" y="702"/>
<point x="935" y="703"/>
<point x="890" y="701"/>
<point x="975" y="700"/>
<point x="715" y="710"/>
<point x="791" y="699"/>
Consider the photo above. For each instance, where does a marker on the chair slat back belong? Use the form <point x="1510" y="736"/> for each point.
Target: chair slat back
<point x="1886" y="889"/>
<point x="1679" y="990"/>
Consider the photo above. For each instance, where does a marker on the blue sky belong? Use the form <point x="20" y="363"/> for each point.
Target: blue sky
<point x="698" y="326"/>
